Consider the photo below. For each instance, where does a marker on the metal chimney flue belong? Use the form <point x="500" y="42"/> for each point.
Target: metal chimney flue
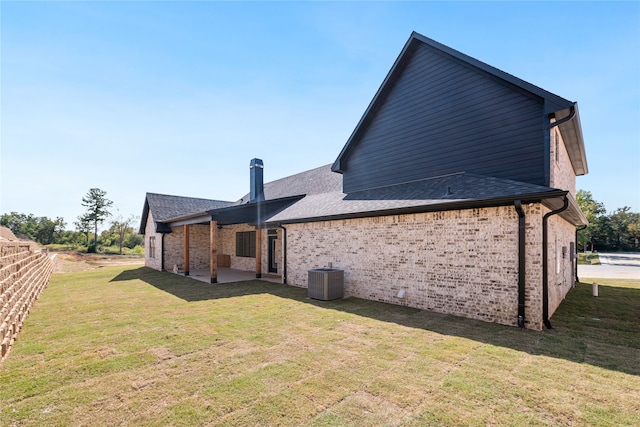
<point x="256" y="191"/>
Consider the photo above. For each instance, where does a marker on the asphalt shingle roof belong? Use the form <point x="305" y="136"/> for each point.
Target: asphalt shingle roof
<point x="324" y="199"/>
<point x="315" y="181"/>
<point x="443" y="190"/>
<point x="164" y="207"/>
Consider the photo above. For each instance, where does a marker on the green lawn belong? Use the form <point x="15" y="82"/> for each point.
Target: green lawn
<point x="132" y="346"/>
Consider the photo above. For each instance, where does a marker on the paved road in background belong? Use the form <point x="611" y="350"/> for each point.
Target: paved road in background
<point x="613" y="266"/>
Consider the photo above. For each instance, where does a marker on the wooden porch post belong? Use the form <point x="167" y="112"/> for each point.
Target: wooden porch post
<point x="186" y="249"/>
<point x="213" y="254"/>
<point x="258" y="253"/>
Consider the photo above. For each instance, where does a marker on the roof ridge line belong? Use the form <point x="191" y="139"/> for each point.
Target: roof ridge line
<point x="299" y="173"/>
<point x="189" y="197"/>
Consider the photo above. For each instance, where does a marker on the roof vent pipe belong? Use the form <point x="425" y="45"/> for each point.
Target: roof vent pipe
<point x="257" y="181"/>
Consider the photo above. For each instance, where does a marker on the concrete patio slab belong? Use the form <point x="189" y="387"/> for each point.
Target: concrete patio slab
<point x="229" y="275"/>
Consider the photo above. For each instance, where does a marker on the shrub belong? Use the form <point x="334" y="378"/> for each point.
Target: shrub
<point x="588" y="258"/>
<point x="115" y="250"/>
<point x="66" y="247"/>
<point x="137" y="250"/>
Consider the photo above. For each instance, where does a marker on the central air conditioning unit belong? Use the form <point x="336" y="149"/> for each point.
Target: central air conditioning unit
<point x="326" y="284"/>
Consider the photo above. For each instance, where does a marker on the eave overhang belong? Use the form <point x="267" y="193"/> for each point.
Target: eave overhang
<point x="249" y="213"/>
<point x="572" y="214"/>
<point x="255" y="213"/>
<point x="571" y="131"/>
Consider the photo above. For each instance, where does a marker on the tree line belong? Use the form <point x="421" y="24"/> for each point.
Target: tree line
<point x="46" y="231"/>
<point x="616" y="231"/>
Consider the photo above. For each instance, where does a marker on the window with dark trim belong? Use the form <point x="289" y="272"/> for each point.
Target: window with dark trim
<point x="246" y="244"/>
<point x="152" y="246"/>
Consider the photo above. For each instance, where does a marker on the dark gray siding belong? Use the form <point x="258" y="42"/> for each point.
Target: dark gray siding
<point x="441" y="116"/>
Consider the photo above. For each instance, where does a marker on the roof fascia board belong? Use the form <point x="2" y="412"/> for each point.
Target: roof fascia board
<point x="571" y="131"/>
<point x="144" y="217"/>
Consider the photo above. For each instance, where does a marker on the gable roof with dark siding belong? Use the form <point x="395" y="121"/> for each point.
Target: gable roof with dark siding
<point x="444" y="131"/>
<point x="439" y="111"/>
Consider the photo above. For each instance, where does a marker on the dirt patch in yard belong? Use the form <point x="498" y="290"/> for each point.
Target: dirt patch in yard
<point x="73" y="262"/>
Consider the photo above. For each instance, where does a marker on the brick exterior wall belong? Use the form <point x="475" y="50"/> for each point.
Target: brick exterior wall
<point x="559" y="263"/>
<point x="463" y="262"/>
<point x="173" y="246"/>
<point x="561" y="233"/>
<point x="154" y="261"/>
<point x="533" y="266"/>
<point x="228" y="240"/>
<point x="198" y="247"/>
<point x="561" y="171"/>
<point x="227" y="246"/>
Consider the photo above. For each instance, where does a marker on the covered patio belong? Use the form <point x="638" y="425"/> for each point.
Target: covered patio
<point x="203" y="236"/>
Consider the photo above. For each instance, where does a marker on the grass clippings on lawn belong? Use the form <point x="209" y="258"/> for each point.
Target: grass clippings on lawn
<point x="132" y="346"/>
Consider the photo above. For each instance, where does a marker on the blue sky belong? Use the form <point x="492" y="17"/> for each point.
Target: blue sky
<point x="178" y="97"/>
